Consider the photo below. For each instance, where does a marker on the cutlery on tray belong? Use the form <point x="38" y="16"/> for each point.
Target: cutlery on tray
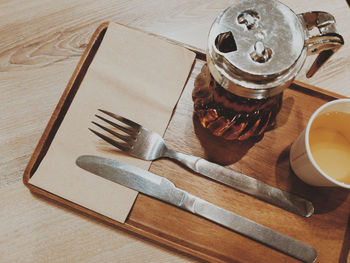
<point x="145" y="144"/>
<point x="163" y="189"/>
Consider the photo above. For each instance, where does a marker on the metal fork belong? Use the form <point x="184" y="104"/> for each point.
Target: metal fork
<point x="145" y="144"/>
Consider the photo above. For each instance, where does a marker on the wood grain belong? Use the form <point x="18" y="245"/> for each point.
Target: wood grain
<point x="40" y="46"/>
<point x="45" y="40"/>
<point x="39" y="231"/>
<point x="264" y="159"/>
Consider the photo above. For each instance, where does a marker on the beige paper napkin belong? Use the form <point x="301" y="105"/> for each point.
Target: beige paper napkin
<point x="134" y="75"/>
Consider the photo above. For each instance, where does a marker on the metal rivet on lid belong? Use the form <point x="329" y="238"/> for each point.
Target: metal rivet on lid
<point x="261" y="53"/>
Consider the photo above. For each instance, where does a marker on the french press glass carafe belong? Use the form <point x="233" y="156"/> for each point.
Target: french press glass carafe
<point x="255" y="50"/>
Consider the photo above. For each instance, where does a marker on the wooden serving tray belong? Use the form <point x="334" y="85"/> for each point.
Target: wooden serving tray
<point x="267" y="160"/>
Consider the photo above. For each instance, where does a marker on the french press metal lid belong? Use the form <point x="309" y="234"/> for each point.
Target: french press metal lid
<point x="257" y="47"/>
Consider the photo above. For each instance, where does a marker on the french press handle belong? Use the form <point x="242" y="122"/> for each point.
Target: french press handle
<point x="327" y="40"/>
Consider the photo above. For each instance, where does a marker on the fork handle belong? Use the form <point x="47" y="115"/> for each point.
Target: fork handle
<point x="245" y="184"/>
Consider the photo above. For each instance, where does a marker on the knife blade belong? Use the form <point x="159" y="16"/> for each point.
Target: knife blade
<point x="163" y="189"/>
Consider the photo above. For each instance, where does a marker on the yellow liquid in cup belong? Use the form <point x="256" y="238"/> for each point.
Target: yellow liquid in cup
<point x="329" y="141"/>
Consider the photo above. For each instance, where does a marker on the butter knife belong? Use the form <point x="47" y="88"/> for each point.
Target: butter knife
<point x="163" y="189"/>
<point x="148" y="145"/>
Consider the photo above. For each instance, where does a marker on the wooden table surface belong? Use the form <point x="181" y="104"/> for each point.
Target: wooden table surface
<point x="41" y="43"/>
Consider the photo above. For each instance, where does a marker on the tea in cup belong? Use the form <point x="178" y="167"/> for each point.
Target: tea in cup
<point x="321" y="154"/>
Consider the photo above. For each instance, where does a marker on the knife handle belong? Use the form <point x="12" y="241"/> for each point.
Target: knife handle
<point x="245" y="184"/>
<point x="249" y="228"/>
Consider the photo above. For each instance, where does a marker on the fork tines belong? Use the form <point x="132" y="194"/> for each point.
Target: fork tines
<point x="130" y="129"/>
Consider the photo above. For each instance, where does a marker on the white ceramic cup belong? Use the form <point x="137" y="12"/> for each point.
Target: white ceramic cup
<point x="301" y="160"/>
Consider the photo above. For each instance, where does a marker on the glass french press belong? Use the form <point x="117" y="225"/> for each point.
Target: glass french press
<point x="255" y="50"/>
